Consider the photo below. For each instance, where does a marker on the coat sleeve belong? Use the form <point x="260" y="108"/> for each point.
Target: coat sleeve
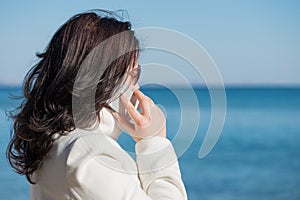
<point x="158" y="169"/>
<point x="101" y="177"/>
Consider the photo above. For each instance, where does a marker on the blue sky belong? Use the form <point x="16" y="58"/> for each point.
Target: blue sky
<point x="252" y="42"/>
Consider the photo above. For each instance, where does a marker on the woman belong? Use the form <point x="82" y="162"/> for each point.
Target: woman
<point x="65" y="131"/>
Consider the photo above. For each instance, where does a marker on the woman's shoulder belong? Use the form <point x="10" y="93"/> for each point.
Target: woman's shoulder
<point x="92" y="146"/>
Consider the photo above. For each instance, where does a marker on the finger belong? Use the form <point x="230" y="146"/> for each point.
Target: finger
<point x="144" y="102"/>
<point x="133" y="113"/>
<point x="140" y="95"/>
<point x="125" y="125"/>
<point x="125" y="101"/>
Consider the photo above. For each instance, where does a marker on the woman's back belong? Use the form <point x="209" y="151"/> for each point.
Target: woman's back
<point x="56" y="179"/>
<point x="90" y="165"/>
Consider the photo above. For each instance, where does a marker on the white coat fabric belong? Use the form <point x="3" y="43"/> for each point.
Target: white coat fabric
<point x="88" y="165"/>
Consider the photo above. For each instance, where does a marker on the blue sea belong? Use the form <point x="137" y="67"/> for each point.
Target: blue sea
<point x="256" y="157"/>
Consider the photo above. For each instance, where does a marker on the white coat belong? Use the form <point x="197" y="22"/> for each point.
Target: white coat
<point x="91" y="165"/>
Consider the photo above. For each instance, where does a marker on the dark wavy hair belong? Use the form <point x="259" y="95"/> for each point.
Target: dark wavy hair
<point x="49" y="88"/>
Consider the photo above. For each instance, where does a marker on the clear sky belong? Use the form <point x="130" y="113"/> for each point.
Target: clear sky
<point x="252" y="42"/>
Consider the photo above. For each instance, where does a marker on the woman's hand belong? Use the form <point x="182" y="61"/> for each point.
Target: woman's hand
<point x="150" y="122"/>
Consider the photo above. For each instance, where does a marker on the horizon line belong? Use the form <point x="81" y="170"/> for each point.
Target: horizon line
<point x="200" y="86"/>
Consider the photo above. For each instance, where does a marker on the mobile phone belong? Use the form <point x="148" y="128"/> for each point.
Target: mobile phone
<point x="119" y="107"/>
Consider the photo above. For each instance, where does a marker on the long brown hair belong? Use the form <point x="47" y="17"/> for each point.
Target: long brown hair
<point x="48" y="87"/>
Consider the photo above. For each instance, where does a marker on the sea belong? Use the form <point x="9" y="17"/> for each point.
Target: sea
<point x="257" y="155"/>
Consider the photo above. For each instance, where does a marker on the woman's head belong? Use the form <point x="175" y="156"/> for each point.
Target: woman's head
<point x="53" y="83"/>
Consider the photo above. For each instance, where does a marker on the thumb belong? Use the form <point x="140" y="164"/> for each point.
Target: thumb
<point x="123" y="123"/>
